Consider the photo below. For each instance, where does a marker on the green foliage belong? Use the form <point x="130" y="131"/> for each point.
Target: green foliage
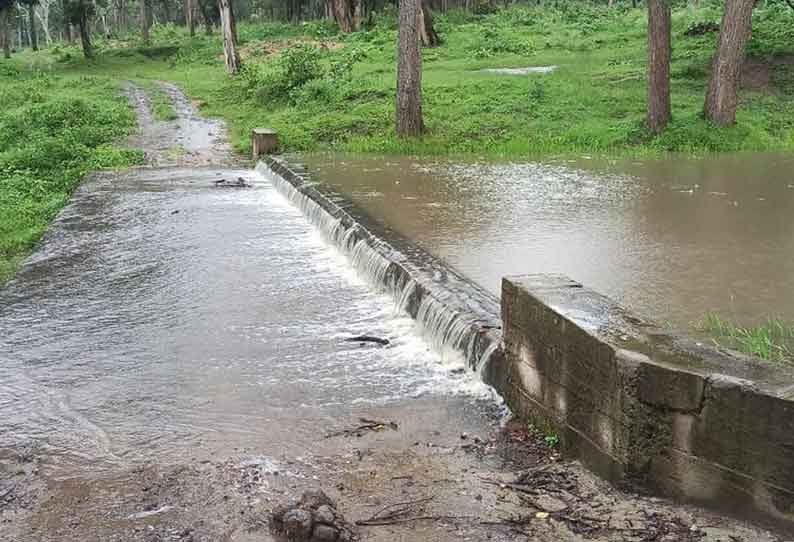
<point x="340" y="92"/>
<point x="301" y="75"/>
<point x="53" y="130"/>
<point x="552" y="440"/>
<point x="493" y="41"/>
<point x="772" y="341"/>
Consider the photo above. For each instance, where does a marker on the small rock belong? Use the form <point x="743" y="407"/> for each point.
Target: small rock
<point x="297" y="524"/>
<point x="464" y="436"/>
<point x="324" y="514"/>
<point x="324" y="533"/>
<point x="315" y="498"/>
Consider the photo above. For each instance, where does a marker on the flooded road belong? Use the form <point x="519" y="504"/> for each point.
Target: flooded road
<point x="163" y="313"/>
<point x="672" y="239"/>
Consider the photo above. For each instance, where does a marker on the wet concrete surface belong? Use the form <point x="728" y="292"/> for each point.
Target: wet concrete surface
<point x="173" y="364"/>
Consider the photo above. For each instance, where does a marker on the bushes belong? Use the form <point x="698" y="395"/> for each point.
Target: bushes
<point x="299" y="74"/>
<point x="493" y="41"/>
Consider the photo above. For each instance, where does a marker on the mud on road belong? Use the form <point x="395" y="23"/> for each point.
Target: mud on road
<point x="421" y="475"/>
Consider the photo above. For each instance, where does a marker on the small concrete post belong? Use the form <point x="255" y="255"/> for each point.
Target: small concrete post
<point x="263" y="141"/>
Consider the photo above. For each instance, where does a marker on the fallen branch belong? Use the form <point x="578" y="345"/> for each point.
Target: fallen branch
<point x="395" y="521"/>
<point x="366" y="425"/>
<point x="406" y="505"/>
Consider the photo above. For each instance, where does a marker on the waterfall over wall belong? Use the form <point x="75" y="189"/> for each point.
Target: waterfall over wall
<point x="456" y="315"/>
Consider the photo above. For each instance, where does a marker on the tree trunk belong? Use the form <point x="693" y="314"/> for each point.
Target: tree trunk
<point x="34" y="41"/>
<point x="229" y="37"/>
<point x="659" y="51"/>
<point x="358" y="13"/>
<point x="427" y="32"/>
<point x="409" y="72"/>
<point x="722" y="96"/>
<point x="146" y="22"/>
<point x="190" y="17"/>
<point x="85" y="37"/>
<point x="43" y="13"/>
<point x="343" y="14"/>
<point x="4" y="33"/>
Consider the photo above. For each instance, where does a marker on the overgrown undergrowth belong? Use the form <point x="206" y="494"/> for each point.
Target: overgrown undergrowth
<point x="53" y="130"/>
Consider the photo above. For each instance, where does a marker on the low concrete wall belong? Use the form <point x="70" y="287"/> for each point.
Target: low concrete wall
<point x="639" y="404"/>
<point x="418" y="281"/>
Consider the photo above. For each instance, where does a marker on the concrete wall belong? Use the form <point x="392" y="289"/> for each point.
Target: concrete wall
<point x="639" y="404"/>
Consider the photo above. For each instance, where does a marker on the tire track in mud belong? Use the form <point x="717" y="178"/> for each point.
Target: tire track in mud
<point x="188" y="140"/>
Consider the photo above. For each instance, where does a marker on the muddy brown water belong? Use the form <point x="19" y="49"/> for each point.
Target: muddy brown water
<point x="672" y="239"/>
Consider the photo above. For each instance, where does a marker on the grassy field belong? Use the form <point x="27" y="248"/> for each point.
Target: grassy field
<point x="53" y="130"/>
<point x="320" y="89"/>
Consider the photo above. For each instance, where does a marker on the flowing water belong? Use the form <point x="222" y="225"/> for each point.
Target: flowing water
<point x="163" y="314"/>
<point x="672" y="239"/>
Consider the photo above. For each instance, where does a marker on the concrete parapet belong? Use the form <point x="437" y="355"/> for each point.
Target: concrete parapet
<point x="640" y="404"/>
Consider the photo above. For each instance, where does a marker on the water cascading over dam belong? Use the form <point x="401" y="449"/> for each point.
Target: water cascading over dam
<point x="457" y="316"/>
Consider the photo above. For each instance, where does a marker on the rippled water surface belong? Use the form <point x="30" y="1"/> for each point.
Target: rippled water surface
<point x="673" y="239"/>
<point x="163" y="316"/>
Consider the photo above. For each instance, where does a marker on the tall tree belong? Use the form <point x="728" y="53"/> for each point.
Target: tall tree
<point x="5" y="35"/>
<point x="344" y="14"/>
<point x="146" y="22"/>
<point x="409" y="72"/>
<point x="79" y="13"/>
<point x="659" y="52"/>
<point x="30" y="6"/>
<point x="190" y="16"/>
<point x="43" y="13"/>
<point x="229" y="26"/>
<point x="210" y="12"/>
<point x="722" y="97"/>
<point x="427" y="32"/>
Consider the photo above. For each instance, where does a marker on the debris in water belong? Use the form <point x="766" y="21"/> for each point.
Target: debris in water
<point x="239" y="183"/>
<point x="366" y="425"/>
<point x="367" y="339"/>
<point x="175" y="212"/>
<point x="314" y="518"/>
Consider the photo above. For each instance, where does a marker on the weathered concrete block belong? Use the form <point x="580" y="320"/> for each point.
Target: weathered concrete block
<point x="635" y="402"/>
<point x="263" y="141"/>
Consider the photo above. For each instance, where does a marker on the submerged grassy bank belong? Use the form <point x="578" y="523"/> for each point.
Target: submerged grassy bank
<point x="322" y="89"/>
<point x="54" y="129"/>
<point x="772" y="340"/>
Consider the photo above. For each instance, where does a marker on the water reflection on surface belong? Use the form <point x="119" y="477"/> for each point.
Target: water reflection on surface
<point x="672" y="239"/>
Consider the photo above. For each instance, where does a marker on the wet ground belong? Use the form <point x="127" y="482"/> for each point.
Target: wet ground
<point x="673" y="239"/>
<point x="173" y="363"/>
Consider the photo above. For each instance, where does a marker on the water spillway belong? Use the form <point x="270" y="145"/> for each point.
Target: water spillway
<point x="457" y="316"/>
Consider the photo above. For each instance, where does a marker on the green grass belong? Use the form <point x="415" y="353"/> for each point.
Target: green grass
<point x="61" y="114"/>
<point x="593" y="104"/>
<point x="772" y="340"/>
<point x="54" y="128"/>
